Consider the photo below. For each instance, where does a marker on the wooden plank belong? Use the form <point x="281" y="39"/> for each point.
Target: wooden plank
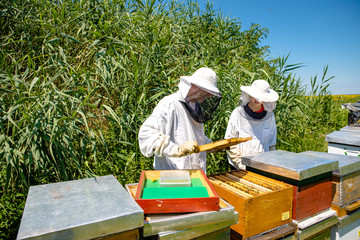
<point x="131" y="234"/>
<point x="243" y="187"/>
<point x="277" y="233"/>
<point x="233" y="177"/>
<point x="341" y="212"/>
<point x="259" y="210"/>
<point x="311" y="199"/>
<point x="267" y="183"/>
<point x="347" y="209"/>
<point x="219" y="183"/>
<point x="353" y="206"/>
<point x="222" y="144"/>
<point x="269" y="211"/>
<point x="346" y="189"/>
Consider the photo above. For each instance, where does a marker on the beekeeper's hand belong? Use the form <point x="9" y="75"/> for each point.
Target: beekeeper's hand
<point x="187" y="148"/>
<point x="234" y="152"/>
<point x="235" y="155"/>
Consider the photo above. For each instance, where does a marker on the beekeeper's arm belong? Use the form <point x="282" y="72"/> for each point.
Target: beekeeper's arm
<point x="272" y="143"/>
<point x="243" y="149"/>
<point x="154" y="138"/>
<point x="234" y="152"/>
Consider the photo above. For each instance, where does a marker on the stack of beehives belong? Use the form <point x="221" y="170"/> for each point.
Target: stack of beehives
<point x="310" y="177"/>
<point x="179" y="216"/>
<point x="346" y="194"/>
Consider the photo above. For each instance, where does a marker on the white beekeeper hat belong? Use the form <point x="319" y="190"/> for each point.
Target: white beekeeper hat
<point x="261" y="91"/>
<point x="204" y="78"/>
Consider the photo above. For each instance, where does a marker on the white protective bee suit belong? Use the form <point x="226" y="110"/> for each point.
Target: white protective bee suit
<point x="241" y="124"/>
<point x="171" y="125"/>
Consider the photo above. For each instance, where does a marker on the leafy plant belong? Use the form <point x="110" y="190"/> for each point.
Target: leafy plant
<point x="78" y="78"/>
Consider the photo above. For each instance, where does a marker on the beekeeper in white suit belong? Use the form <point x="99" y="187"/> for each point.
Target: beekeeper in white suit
<point x="175" y="129"/>
<point x="254" y="117"/>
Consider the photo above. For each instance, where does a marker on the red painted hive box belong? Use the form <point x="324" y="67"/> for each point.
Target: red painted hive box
<point x="310" y="177"/>
<point x="155" y="197"/>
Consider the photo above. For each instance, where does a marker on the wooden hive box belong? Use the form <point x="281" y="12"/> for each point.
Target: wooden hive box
<point x="262" y="203"/>
<point x="199" y="197"/>
<point x="92" y="208"/>
<point x="310" y="177"/>
<point x="188" y="225"/>
<point x="345" y="181"/>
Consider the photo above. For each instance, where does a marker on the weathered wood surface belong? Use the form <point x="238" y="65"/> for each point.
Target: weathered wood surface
<point x="222" y="144"/>
<point x="132" y="234"/>
<point x="311" y="199"/>
<point x="346" y="189"/>
<point x="260" y="208"/>
<point x="347" y="209"/>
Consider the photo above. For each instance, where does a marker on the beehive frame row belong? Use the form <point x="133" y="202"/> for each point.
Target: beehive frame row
<point x="262" y="203"/>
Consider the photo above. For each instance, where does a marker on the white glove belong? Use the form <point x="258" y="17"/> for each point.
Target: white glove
<point x="234" y="152"/>
<point x="187" y="148"/>
<point x="235" y="155"/>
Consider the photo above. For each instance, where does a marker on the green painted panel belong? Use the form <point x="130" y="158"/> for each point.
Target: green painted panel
<point x="153" y="190"/>
<point x="174" y="192"/>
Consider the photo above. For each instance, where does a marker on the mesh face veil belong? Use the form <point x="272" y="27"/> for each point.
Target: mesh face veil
<point x="201" y="112"/>
<point x="200" y="93"/>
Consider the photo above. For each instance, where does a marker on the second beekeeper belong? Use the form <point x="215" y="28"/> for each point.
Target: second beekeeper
<point x="175" y="129"/>
<point x="253" y="118"/>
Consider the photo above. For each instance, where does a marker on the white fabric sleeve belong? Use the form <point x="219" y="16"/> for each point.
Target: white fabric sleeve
<point x="272" y="141"/>
<point x="208" y="140"/>
<point x="152" y="139"/>
<point x="231" y="127"/>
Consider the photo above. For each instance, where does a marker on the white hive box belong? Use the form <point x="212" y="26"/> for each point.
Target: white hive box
<point x="351" y="129"/>
<point x="348" y="227"/>
<point x="344" y="143"/>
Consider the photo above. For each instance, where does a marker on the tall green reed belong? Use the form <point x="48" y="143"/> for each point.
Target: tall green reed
<point x="93" y="71"/>
<point x="78" y="78"/>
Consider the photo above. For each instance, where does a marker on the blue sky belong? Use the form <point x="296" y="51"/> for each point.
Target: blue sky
<point x="316" y="33"/>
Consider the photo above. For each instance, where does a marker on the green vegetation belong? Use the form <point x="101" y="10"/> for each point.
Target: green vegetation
<point x="78" y="78"/>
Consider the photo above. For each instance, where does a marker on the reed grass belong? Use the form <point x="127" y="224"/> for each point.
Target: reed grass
<point x="78" y="78"/>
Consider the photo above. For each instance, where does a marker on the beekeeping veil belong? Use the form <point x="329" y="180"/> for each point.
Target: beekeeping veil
<point x="205" y="79"/>
<point x="261" y="91"/>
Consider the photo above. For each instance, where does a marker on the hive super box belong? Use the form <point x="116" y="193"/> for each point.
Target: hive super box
<point x="199" y="225"/>
<point x="345" y="179"/>
<point x="153" y="198"/>
<point x="309" y="175"/>
<point x="92" y="208"/>
<point x="262" y="203"/>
